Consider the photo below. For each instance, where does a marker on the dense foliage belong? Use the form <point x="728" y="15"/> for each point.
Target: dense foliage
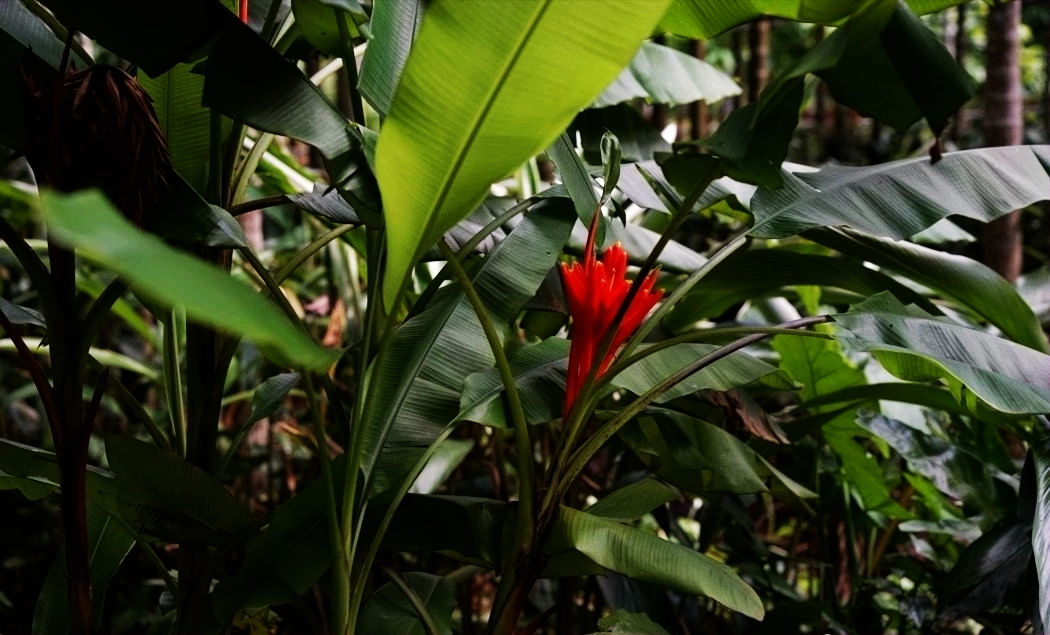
<point x="405" y="317"/>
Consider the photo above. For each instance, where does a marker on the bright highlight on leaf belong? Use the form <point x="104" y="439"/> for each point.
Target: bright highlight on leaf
<point x="487" y="85"/>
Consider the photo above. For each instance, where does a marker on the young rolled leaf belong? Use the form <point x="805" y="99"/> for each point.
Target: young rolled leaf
<point x="88" y="222"/>
<point x="509" y="77"/>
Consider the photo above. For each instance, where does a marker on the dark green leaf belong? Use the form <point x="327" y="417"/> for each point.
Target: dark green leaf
<point x="757" y="273"/>
<point x="639" y="140"/>
<point x="21" y="315"/>
<point x="952" y="469"/>
<point x="620" y="621"/>
<point x="394" y="27"/>
<point x="327" y="204"/>
<point x="703" y="458"/>
<point x="1040" y="449"/>
<point x="633" y="501"/>
<point x="170" y="482"/>
<point x="915" y="345"/>
<point x="33" y="35"/>
<point x="970" y="282"/>
<point x="418" y="383"/>
<point x="179" y="519"/>
<point x="108" y="545"/>
<point x="319" y="22"/>
<point x="471" y="529"/>
<point x="578" y="181"/>
<point x="389" y="611"/>
<point x="242" y="74"/>
<point x="900" y="198"/>
<point x="287" y="558"/>
<point x="725" y="374"/>
<point x="988" y="571"/>
<point x="150" y="35"/>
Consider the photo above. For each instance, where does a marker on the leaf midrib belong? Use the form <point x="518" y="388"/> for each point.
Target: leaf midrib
<point x="459" y="158"/>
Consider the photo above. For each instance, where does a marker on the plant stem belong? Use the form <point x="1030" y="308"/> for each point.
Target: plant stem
<point x="357" y="109"/>
<point x="524" y="525"/>
<point x="311" y="249"/>
<point x="413" y="599"/>
<point x="583" y="455"/>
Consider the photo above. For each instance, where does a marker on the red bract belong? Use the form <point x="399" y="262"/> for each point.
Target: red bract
<point x="595" y="290"/>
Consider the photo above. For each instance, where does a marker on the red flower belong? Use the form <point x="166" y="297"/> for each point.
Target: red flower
<point x="595" y="290"/>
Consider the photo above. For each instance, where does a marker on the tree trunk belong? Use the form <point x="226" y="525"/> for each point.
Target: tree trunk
<point x="698" y="116"/>
<point x="961" y="45"/>
<point x="758" y="61"/>
<point x="1001" y="240"/>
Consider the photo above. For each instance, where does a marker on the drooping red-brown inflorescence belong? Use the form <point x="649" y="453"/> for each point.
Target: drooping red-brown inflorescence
<point x="595" y="290"/>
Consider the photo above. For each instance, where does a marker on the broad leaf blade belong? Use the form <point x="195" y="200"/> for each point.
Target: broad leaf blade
<point x="108" y="545"/>
<point x="176" y="98"/>
<point x="1041" y="522"/>
<point x="646" y="557"/>
<point x="89" y="223"/>
<point x="667" y="76"/>
<point x="242" y="75"/>
<point x="912" y="345"/>
<point x="417" y="384"/>
<point x="901" y="198"/>
<point x="394" y="27"/>
<point x="968" y="281"/>
<point x="481" y="61"/>
<point x="389" y="611"/>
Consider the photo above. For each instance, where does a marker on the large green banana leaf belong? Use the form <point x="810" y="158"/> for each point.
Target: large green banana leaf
<point x="487" y="85"/>
<point x="703" y="19"/>
<point x="901" y="198"/>
<point x="914" y="345"/>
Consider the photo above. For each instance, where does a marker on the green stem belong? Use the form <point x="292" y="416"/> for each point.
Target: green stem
<point x="702" y="336"/>
<point x="524" y="525"/>
<point x="467" y="248"/>
<point x="583" y="455"/>
<point x="247" y="167"/>
<point x="173" y="382"/>
<point x="308" y="251"/>
<point x="576" y="419"/>
<point x="413" y="599"/>
<point x="357" y="109"/>
<point x="340" y="566"/>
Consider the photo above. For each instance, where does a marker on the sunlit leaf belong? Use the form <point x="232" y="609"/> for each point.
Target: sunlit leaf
<point x="482" y="61"/>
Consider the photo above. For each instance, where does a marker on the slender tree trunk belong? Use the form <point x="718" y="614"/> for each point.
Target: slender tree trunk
<point x="758" y="60"/>
<point x="698" y="115"/>
<point x="736" y="45"/>
<point x="961" y="44"/>
<point x="1001" y="240"/>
